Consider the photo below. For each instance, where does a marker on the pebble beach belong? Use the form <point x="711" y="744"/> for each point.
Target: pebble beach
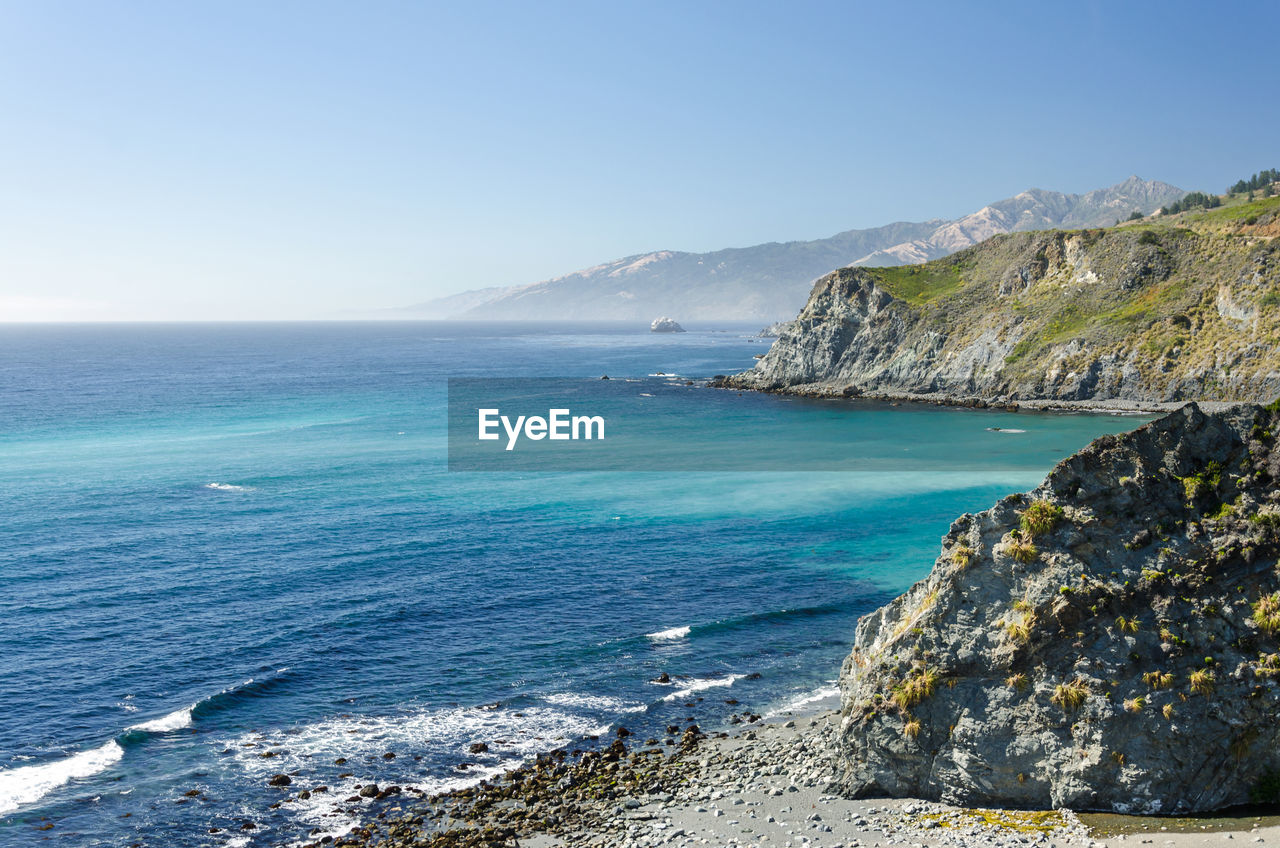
<point x="765" y="785"/>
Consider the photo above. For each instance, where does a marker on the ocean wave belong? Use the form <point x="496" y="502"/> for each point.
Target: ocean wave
<point x="513" y="736"/>
<point x="28" y="784"/>
<point x="508" y="732"/>
<point x="700" y="685"/>
<point x="755" y="618"/>
<point x="673" y="633"/>
<point x="602" y="703"/>
<point x="175" y="720"/>
<point x="186" y="716"/>
<point x="228" y="487"/>
<point x="804" y="700"/>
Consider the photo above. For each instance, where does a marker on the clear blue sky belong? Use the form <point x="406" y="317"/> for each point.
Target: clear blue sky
<point x="310" y="159"/>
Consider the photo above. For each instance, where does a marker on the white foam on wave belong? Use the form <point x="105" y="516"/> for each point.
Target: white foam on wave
<point x="805" y="700"/>
<point x="700" y="685"/>
<point x="511" y="738"/>
<point x="1005" y="430"/>
<point x="28" y="784"/>
<point x="176" y="720"/>
<point x="667" y="635"/>
<point x="602" y="703"/>
<point x="536" y="729"/>
<point x="227" y="487"/>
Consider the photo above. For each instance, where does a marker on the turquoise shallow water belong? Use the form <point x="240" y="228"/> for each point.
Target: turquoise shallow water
<point x="223" y="541"/>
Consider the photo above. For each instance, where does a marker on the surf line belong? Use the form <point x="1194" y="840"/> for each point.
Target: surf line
<point x="558" y="425"/>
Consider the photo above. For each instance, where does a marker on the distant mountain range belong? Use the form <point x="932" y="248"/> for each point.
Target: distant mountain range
<point x="770" y="282"/>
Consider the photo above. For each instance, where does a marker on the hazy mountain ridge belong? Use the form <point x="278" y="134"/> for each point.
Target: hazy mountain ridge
<point x="1035" y="209"/>
<point x="770" y="282"/>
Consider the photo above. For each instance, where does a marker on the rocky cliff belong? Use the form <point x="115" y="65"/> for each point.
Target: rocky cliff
<point x="1108" y="641"/>
<point x="1187" y="308"/>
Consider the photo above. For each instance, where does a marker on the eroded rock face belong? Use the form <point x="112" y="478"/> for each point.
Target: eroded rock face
<point x="1107" y="641"/>
<point x="1156" y="316"/>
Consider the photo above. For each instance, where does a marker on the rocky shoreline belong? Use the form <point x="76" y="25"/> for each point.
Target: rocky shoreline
<point x="1099" y="406"/>
<point x="766" y="785"/>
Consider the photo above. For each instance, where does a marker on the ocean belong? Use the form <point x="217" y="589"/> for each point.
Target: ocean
<point x="231" y="551"/>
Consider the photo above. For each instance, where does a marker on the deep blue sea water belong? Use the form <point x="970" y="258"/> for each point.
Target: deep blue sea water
<point x="230" y="551"/>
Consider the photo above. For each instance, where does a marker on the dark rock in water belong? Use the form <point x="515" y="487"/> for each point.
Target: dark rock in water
<point x="622" y="733"/>
<point x="369" y="790"/>
<point x="479" y="748"/>
<point x="341" y="761"/>
<point x="665" y="325"/>
<point x="1056" y="657"/>
<point x="280" y="780"/>
<point x="662" y="678"/>
<point x="390" y="755"/>
<point x="604" y="377"/>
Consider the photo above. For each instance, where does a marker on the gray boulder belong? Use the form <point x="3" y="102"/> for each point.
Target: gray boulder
<point x="1107" y="641"/>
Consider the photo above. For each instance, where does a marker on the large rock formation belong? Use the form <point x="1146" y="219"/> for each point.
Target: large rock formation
<point x="1107" y="641"/>
<point x="1142" y="313"/>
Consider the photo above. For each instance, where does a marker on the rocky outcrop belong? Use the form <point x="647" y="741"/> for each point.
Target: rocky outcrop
<point x="1152" y="314"/>
<point x="1107" y="641"/>
<point x="665" y="325"/>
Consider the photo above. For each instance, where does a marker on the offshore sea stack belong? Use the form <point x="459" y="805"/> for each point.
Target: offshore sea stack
<point x="1107" y="641"/>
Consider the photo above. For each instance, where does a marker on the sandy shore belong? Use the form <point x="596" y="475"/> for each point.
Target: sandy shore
<point x="763" y="786"/>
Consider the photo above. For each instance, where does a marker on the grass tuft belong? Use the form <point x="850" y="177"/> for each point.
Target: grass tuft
<point x="918" y="686"/>
<point x="1018" y="546"/>
<point x="1040" y="517"/>
<point x="1266" y="614"/>
<point x="1202" y="682"/>
<point x="1070" y="696"/>
<point x="1158" y="679"/>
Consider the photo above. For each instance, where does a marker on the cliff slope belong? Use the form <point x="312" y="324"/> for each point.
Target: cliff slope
<point x="1162" y="310"/>
<point x="1108" y="641"/>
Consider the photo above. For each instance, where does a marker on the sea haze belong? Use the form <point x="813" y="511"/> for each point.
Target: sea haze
<point x="233" y="551"/>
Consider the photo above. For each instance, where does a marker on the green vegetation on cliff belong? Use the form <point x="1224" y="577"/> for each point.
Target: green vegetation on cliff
<point x="1170" y="307"/>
